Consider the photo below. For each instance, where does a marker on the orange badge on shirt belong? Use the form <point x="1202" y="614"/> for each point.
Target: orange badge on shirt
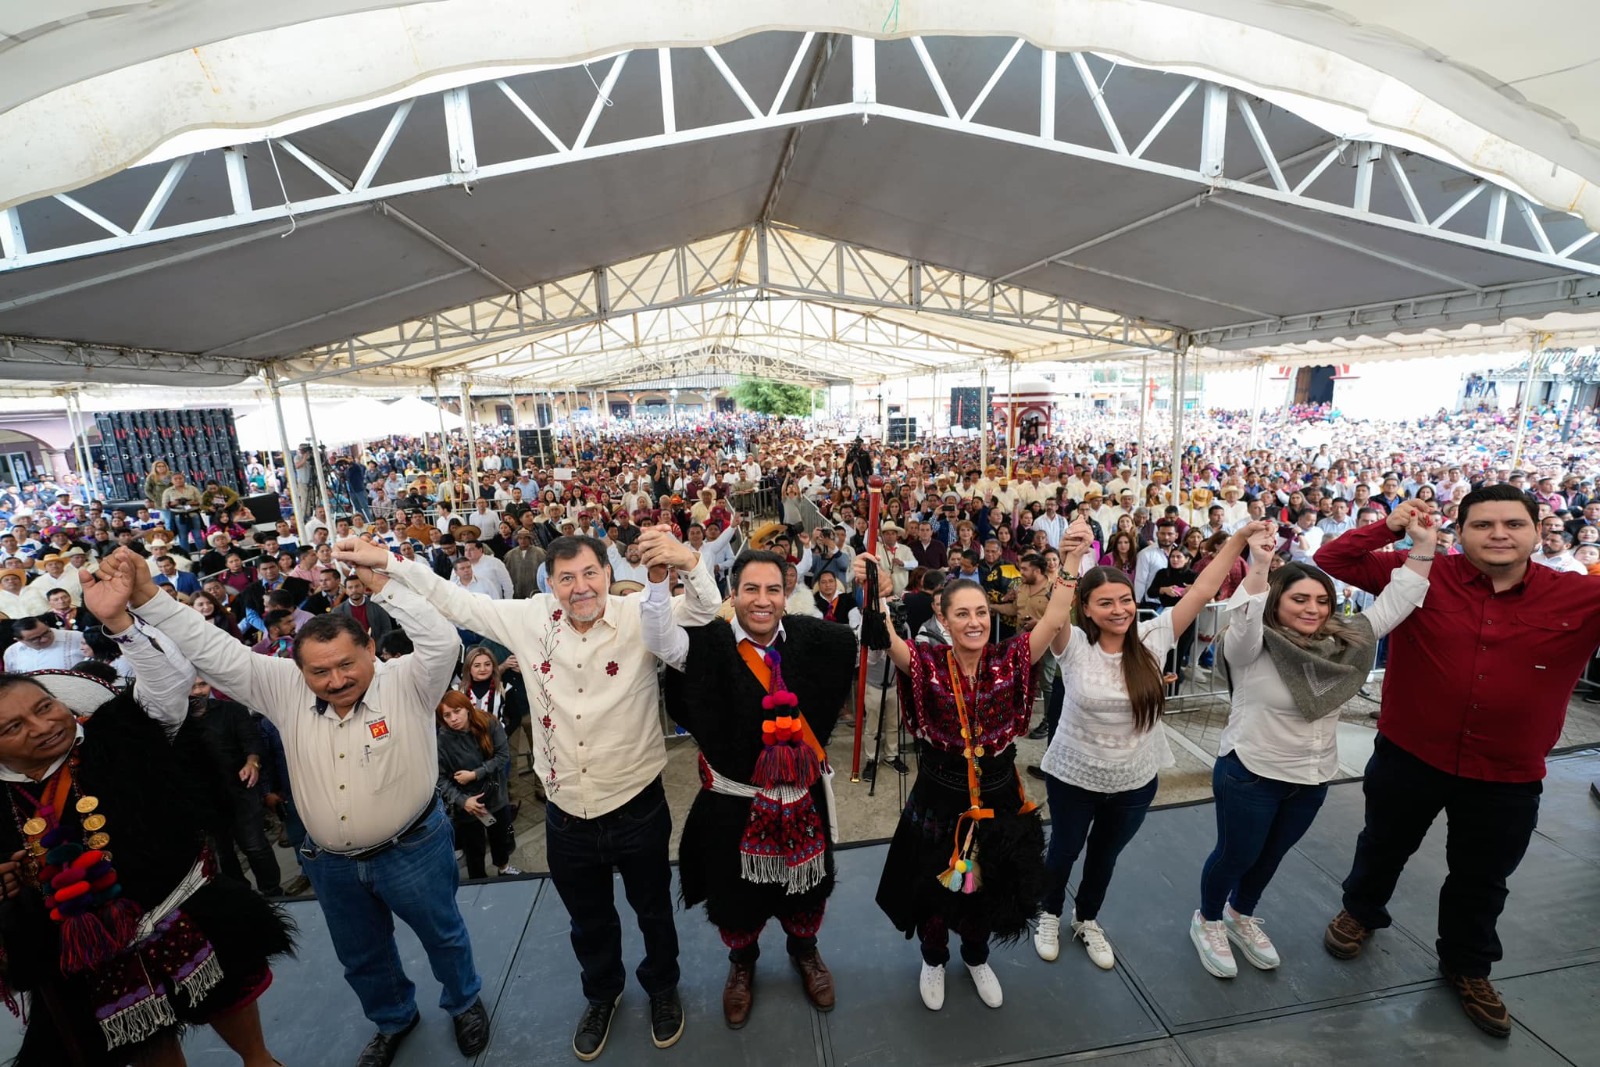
<point x="379" y="728"/>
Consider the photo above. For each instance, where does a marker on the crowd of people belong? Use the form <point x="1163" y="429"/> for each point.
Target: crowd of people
<point x="360" y="685"/>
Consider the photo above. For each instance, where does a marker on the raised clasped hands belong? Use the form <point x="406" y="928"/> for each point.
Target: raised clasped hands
<point x="361" y="553"/>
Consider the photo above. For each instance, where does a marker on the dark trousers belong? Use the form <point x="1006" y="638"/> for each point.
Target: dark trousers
<point x="583" y="853"/>
<point x="1489" y="825"/>
<point x="1106" y="822"/>
<point x="1258" y="821"/>
<point x="246" y="832"/>
<point x="472" y="836"/>
<point x="1052" y="708"/>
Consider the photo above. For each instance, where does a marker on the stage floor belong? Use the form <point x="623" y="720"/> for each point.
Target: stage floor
<point x="1156" y="1008"/>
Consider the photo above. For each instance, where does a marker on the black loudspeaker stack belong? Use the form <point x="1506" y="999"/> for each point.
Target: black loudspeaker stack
<point x="902" y="431"/>
<point x="201" y="443"/>
<point x="538" y="444"/>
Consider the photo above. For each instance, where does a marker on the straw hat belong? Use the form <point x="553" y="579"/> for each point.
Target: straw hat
<point x="765" y="535"/>
<point x="1200" y="497"/>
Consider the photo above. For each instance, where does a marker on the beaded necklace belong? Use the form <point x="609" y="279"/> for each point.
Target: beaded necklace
<point x="81" y="887"/>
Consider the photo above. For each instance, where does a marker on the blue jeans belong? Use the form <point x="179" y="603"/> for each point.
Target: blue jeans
<point x="415" y="879"/>
<point x="1106" y="822"/>
<point x="632" y="840"/>
<point x="1258" y="821"/>
<point x="189" y="530"/>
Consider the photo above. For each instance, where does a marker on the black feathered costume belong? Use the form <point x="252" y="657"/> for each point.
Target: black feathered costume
<point x="719" y="700"/>
<point x="209" y="957"/>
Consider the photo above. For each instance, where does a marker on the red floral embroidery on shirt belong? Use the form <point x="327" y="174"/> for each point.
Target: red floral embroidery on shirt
<point x="611" y="669"/>
<point x="544" y="668"/>
<point x="555" y="616"/>
<point x="546" y="723"/>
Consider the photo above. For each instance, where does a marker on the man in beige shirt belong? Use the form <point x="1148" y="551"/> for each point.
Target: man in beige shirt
<point x="594" y="700"/>
<point x="361" y="744"/>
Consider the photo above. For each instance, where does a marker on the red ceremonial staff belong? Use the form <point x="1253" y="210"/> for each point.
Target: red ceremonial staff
<point x="874" y="508"/>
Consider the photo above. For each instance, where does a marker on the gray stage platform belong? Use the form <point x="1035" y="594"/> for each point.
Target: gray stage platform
<point x="1157" y="1008"/>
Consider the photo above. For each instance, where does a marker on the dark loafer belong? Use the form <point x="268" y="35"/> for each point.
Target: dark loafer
<point x="380" y="1051"/>
<point x="472" y="1029"/>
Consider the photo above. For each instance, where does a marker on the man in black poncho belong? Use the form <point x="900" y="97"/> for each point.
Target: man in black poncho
<point x="760" y="694"/>
<point x="150" y="938"/>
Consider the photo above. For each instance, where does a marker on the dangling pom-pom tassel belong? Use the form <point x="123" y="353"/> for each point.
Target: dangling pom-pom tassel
<point x="121" y="919"/>
<point x="85" y="944"/>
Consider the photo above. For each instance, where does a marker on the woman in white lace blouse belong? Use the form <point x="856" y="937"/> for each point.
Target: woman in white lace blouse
<point x="1100" y="769"/>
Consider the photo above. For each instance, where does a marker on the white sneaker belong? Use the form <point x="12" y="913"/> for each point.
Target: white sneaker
<point x="508" y="870"/>
<point x="931" y="985"/>
<point x="1211" y="941"/>
<point x="1047" y="936"/>
<point x="1245" y="931"/>
<point x="988" y="984"/>
<point x="1094" y="941"/>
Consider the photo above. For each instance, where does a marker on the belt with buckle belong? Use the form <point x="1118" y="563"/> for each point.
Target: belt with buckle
<point x="384" y="846"/>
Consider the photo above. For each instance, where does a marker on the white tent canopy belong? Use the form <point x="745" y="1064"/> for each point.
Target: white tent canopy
<point x="1247" y="180"/>
<point x="342" y="422"/>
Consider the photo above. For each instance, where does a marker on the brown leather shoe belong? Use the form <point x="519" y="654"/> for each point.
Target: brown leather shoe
<point x="1481" y="1003"/>
<point x="817" y="978"/>
<point x="1345" y="936"/>
<point x="737" y="994"/>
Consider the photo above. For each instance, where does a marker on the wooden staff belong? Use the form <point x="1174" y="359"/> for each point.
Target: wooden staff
<point x="874" y="507"/>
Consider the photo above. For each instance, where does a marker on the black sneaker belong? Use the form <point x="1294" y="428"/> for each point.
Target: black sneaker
<point x="898" y="765"/>
<point x="666" y="1018"/>
<point x="1036" y="771"/>
<point x="869" y="773"/>
<point x="1040" y="732"/>
<point x="594" y="1027"/>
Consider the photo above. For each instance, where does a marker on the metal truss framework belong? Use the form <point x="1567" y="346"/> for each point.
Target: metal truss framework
<point x="764" y="263"/>
<point x="43" y="356"/>
<point x="767" y="260"/>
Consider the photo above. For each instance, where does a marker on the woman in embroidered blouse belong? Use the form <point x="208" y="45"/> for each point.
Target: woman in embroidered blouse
<point x="1102" y="763"/>
<point x="1291" y="662"/>
<point x="966" y="702"/>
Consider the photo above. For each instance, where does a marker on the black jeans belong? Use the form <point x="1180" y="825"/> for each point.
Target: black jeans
<point x="472" y="836"/>
<point x="1490" y="824"/>
<point x="1052" y="708"/>
<point x="247" y="832"/>
<point x="1114" y="818"/>
<point x="583" y="853"/>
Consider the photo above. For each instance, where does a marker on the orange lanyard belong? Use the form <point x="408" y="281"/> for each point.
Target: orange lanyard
<point x="972" y="752"/>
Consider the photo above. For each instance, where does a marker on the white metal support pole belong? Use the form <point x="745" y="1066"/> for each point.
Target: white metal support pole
<point x="1177" y="419"/>
<point x="933" y="409"/>
<point x="80" y="445"/>
<point x="516" y="429"/>
<point x="444" y="441"/>
<point x="883" y="412"/>
<point x="316" y="455"/>
<point x="470" y="425"/>
<point x="1255" y="403"/>
<point x="1011" y="414"/>
<point x="983" y="422"/>
<point x="1535" y="351"/>
<point x="1144" y="447"/>
<point x="295" y="502"/>
<point x="852" y="400"/>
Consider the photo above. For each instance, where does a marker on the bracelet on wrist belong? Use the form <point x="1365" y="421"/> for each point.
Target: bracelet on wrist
<point x="1419" y="559"/>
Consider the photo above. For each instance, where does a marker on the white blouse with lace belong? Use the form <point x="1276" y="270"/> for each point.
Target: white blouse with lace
<point x="1095" y="746"/>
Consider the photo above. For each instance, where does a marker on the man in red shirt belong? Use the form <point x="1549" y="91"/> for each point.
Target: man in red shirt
<point x="1475" y="697"/>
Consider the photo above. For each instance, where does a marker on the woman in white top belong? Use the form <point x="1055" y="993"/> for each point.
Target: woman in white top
<point x="1291" y="661"/>
<point x="1101" y="766"/>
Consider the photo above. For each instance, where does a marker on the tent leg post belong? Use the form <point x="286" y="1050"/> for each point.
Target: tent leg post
<point x="316" y="455"/>
<point x="295" y="503"/>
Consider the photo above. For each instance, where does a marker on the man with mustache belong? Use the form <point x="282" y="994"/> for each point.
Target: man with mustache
<point x="598" y="748"/>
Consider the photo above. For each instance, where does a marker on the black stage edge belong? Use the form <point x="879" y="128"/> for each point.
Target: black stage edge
<point x="1156" y="1009"/>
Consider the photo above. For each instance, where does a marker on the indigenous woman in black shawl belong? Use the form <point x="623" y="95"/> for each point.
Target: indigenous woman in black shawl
<point x="968" y="855"/>
<point x="114" y="919"/>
